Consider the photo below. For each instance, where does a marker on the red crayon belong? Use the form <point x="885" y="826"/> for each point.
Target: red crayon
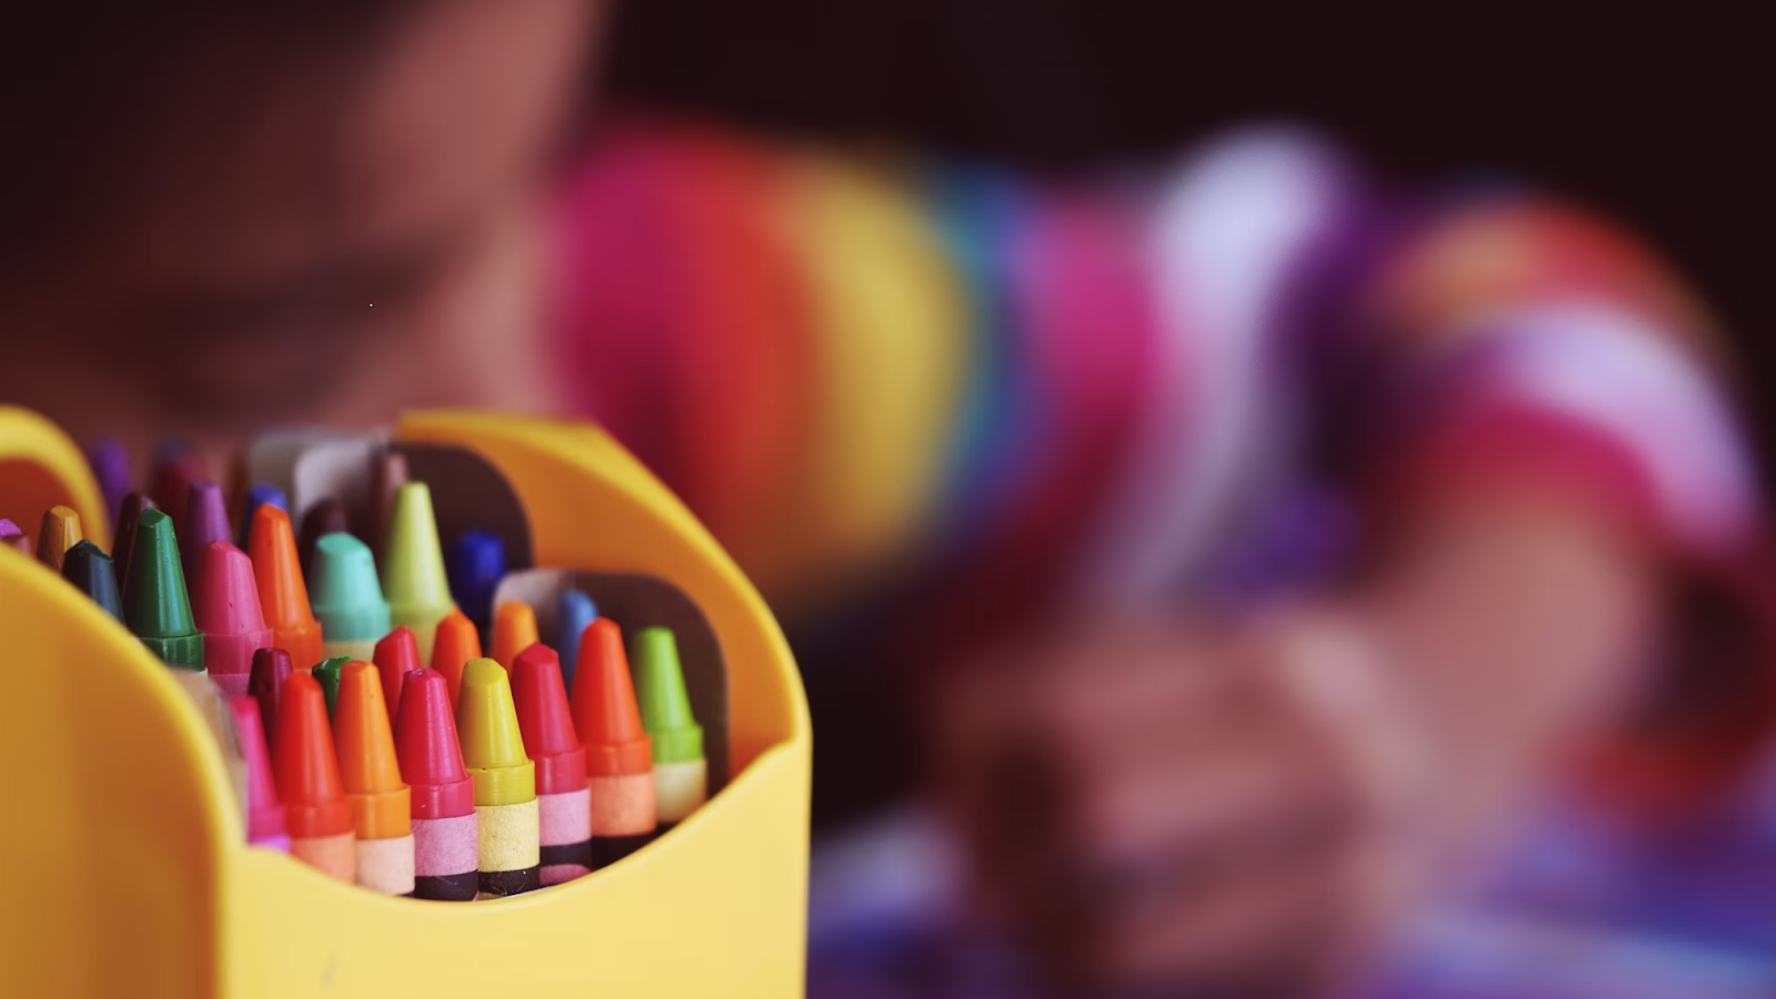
<point x="322" y="828"/>
<point x="124" y="545"/>
<point x="225" y="605"/>
<point x="396" y="655"/>
<point x="266" y="816"/>
<point x="175" y="469"/>
<point x="564" y="796"/>
<point x="445" y="833"/>
<point x="271" y="667"/>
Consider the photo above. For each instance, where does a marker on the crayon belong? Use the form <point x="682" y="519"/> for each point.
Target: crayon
<point x="59" y="532"/>
<point x="346" y="597"/>
<point x="446" y="853"/>
<point x="324" y="518"/>
<point x="514" y="630"/>
<point x="327" y="674"/>
<point x="564" y="798"/>
<point x="271" y="667"/>
<point x="322" y="829"/>
<point x="155" y="604"/>
<point x="475" y="565"/>
<point x="262" y="494"/>
<point x="619" y="754"/>
<point x="267" y="820"/>
<point x="413" y="567"/>
<point x="12" y="537"/>
<point x="111" y="468"/>
<point x="283" y="595"/>
<point x="508" y="847"/>
<point x="576" y="611"/>
<point x="395" y="656"/>
<point x="92" y="573"/>
<point x="176" y="467"/>
<point x="457" y="643"/>
<point x="206" y="520"/>
<point x="388" y="473"/>
<point x="681" y="774"/>
<point x="238" y="481"/>
<point x="225" y="603"/>
<point x="382" y="807"/>
<point x="129" y="513"/>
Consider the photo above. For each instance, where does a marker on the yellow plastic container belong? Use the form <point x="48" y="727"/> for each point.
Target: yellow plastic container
<point x="123" y="854"/>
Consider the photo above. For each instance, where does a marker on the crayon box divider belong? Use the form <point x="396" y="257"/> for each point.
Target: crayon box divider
<point x="129" y="843"/>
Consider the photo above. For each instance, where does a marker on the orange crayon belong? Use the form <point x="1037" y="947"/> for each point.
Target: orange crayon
<point x="283" y="595"/>
<point x="381" y="803"/>
<point x="619" y="753"/>
<point x="60" y="532"/>
<point x="322" y="831"/>
<point x="457" y="643"/>
<point x="514" y="630"/>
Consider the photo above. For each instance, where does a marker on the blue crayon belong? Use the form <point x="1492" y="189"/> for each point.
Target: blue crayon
<point x="474" y="566"/>
<point x="261" y="494"/>
<point x="576" y="611"/>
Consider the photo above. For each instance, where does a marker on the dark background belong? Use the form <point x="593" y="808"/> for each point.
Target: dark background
<point x="1659" y="118"/>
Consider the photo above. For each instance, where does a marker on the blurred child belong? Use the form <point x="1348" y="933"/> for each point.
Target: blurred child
<point x="1259" y="541"/>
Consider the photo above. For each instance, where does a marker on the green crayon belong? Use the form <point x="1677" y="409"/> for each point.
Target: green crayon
<point x="327" y="674"/>
<point x="681" y="773"/>
<point x="413" y="575"/>
<point x="155" y="604"/>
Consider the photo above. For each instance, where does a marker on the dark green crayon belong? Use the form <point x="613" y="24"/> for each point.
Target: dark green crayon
<point x="327" y="675"/>
<point x="155" y="604"/>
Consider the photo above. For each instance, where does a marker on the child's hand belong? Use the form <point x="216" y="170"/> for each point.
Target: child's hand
<point x="1173" y="806"/>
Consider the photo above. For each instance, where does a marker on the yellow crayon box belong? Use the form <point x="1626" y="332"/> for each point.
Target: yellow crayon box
<point x="122" y="842"/>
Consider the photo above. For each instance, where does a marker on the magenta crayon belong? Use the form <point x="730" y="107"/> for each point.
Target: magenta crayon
<point x="267" y="821"/>
<point x="129" y="512"/>
<point x="110" y="464"/>
<point x="206" y="520"/>
<point x="564" y="797"/>
<point x="271" y="667"/>
<point x="12" y="537"/>
<point x="225" y="603"/>
<point x="446" y="847"/>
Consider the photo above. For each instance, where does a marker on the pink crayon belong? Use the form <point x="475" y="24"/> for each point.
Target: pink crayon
<point x="225" y="604"/>
<point x="564" y="797"/>
<point x="446" y="836"/>
<point x="266" y="817"/>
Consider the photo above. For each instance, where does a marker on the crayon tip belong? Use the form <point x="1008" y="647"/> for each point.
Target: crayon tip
<point x="604" y="709"/>
<point x="396" y="655"/>
<point x="475" y="565"/>
<point x="413" y="565"/>
<point x="206" y="520"/>
<point x="326" y="673"/>
<point x="426" y="744"/>
<point x="176" y="466"/>
<point x="306" y="766"/>
<point x="92" y="573"/>
<point x="665" y="704"/>
<point x="110" y="464"/>
<point x="545" y="721"/>
<point x="388" y="473"/>
<point x="266" y="816"/>
<point x="283" y="596"/>
<point x="12" y="537"/>
<point x="347" y="598"/>
<point x="260" y="494"/>
<point x="457" y="642"/>
<point x="124" y="544"/>
<point x="514" y="630"/>
<point x="59" y="532"/>
<point x="155" y="604"/>
<point x="271" y="667"/>
<point x="225" y="604"/>
<point x="365" y="745"/>
<point x="324" y="518"/>
<point x="492" y="745"/>
<point x="576" y="611"/>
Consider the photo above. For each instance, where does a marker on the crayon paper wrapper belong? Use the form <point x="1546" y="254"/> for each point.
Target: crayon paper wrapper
<point x="333" y="855"/>
<point x="680" y="789"/>
<point x="623" y="806"/>
<point x="442" y="847"/>
<point x="386" y="865"/>
<point x="508" y="837"/>
<point x="566" y="818"/>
